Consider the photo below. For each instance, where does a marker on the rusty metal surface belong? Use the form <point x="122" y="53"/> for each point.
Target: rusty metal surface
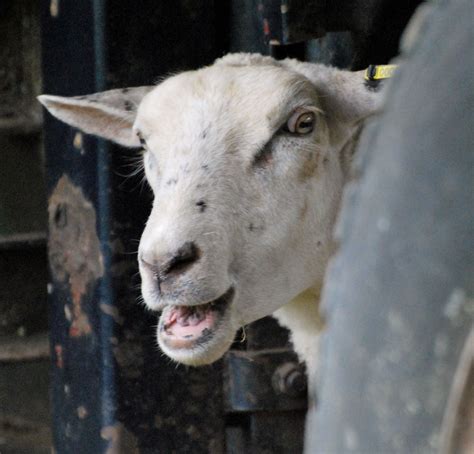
<point x="75" y="256"/>
<point x="255" y="381"/>
<point x="264" y="392"/>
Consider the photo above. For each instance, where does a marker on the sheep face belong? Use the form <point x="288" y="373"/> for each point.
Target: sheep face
<point x="245" y="161"/>
<point x="240" y="163"/>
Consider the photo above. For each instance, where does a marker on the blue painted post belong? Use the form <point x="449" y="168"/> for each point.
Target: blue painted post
<point x="111" y="388"/>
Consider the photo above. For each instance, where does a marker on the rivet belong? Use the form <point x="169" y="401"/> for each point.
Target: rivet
<point x="82" y="412"/>
<point x="289" y="379"/>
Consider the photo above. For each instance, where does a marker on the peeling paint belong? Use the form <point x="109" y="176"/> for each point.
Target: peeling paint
<point x="74" y="248"/>
<point x="58" y="350"/>
<point x="82" y="412"/>
<point x="77" y="141"/>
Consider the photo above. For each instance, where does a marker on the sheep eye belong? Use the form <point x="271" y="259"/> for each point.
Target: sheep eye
<point x="301" y="122"/>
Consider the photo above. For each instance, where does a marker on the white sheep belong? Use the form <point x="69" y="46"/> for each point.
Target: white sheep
<point x="247" y="160"/>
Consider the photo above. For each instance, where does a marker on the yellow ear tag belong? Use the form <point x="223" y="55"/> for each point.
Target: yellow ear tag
<point x="379" y="72"/>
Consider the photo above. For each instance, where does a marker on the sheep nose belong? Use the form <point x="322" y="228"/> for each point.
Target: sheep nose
<point x="174" y="264"/>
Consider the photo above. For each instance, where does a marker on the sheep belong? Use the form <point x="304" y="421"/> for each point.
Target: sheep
<point x="247" y="160"/>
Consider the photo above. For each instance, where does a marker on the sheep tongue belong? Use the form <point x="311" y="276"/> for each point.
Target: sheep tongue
<point x="191" y="317"/>
<point x="188" y="322"/>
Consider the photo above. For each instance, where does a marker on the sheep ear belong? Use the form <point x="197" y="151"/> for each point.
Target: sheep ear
<point x="344" y="94"/>
<point x="109" y="114"/>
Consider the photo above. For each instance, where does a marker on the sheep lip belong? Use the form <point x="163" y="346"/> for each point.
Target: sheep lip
<point x="184" y="327"/>
<point x="216" y="304"/>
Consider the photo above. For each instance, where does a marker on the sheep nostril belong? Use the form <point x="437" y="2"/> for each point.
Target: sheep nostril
<point x="180" y="262"/>
<point x="183" y="259"/>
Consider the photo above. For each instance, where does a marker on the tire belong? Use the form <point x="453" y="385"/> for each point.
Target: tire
<point x="399" y="293"/>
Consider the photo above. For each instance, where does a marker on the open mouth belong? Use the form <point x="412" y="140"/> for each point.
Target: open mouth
<point x="184" y="327"/>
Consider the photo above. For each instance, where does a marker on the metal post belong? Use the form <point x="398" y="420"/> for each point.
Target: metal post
<point x="110" y="385"/>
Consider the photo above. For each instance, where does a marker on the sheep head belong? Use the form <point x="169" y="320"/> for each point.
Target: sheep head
<point x="247" y="159"/>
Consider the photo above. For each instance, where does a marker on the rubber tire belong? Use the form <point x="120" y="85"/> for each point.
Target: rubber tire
<point x="399" y="293"/>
